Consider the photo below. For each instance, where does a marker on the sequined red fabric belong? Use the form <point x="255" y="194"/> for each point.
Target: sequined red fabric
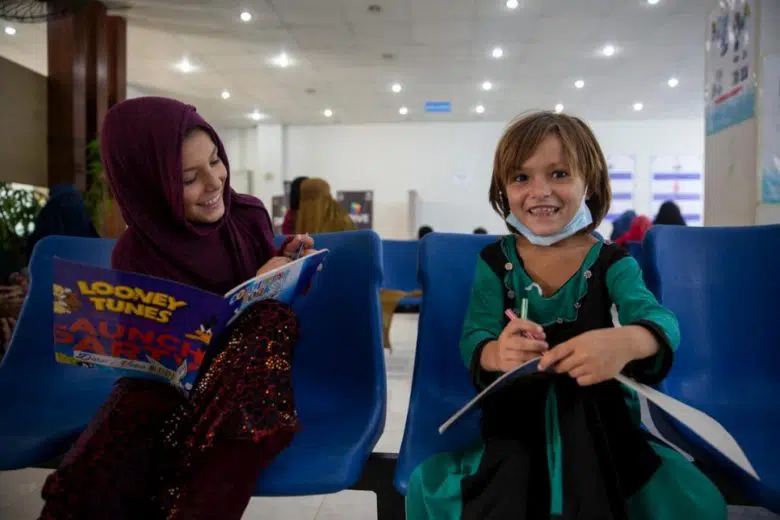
<point x="151" y="454"/>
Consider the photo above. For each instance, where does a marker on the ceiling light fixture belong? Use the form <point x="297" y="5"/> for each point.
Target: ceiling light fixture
<point x="497" y="52"/>
<point x="608" y="50"/>
<point x="479" y="109"/>
<point x="512" y="4"/>
<point x="246" y="16"/>
<point x="10" y="31"/>
<point x="403" y="111"/>
<point x="558" y="108"/>
<point x="396" y="88"/>
<point x="225" y="94"/>
<point x="327" y="112"/>
<point x="282" y="60"/>
<point x="486" y="85"/>
<point x="256" y="116"/>
<point x="673" y="82"/>
<point x="652" y="2"/>
<point x="638" y="106"/>
<point x="185" y="66"/>
<point x="579" y="83"/>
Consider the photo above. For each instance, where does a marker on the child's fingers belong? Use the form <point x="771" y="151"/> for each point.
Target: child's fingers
<point x="569" y="363"/>
<point x="579" y="371"/>
<point x="555" y="355"/>
<point x="520" y="326"/>
<point x="519" y="344"/>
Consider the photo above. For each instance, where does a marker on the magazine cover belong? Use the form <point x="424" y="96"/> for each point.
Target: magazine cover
<point x="149" y="327"/>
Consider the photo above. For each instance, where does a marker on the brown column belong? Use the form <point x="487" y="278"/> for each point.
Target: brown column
<point x="67" y="139"/>
<point x="97" y="67"/>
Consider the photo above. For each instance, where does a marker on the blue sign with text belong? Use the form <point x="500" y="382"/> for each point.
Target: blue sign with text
<point x="438" y="106"/>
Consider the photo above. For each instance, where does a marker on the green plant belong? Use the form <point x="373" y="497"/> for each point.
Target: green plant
<point x="18" y="209"/>
<point x="96" y="198"/>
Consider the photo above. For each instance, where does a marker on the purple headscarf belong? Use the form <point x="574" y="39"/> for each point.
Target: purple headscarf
<point x="140" y="144"/>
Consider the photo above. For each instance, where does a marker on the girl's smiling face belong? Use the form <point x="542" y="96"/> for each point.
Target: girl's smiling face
<point x="544" y="193"/>
<point x="203" y="175"/>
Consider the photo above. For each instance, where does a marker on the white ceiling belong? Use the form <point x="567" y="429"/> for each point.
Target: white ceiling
<point x="441" y="49"/>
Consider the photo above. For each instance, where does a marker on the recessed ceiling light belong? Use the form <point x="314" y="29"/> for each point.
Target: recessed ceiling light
<point x="673" y="82"/>
<point x="497" y="52"/>
<point x="652" y="2"/>
<point x="403" y="111"/>
<point x="257" y="116"/>
<point x="486" y="85"/>
<point x="185" y="66"/>
<point x="579" y="83"/>
<point x="479" y="109"/>
<point x="327" y="112"/>
<point x="246" y="16"/>
<point x="225" y="94"/>
<point x="512" y="4"/>
<point x="608" y="50"/>
<point x="558" y="108"/>
<point x="638" y="106"/>
<point x="396" y="88"/>
<point x="374" y="8"/>
<point x="10" y="31"/>
<point x="282" y="60"/>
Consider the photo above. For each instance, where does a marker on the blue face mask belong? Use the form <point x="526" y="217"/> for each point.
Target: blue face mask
<point x="579" y="221"/>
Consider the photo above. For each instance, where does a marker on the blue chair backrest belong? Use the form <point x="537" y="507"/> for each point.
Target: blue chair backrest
<point x="33" y="340"/>
<point x="400" y="264"/>
<point x="341" y="330"/>
<point x="723" y="284"/>
<point x="447" y="265"/>
<point x="635" y="250"/>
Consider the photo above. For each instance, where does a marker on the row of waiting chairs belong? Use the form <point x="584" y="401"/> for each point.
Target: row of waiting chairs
<point x="719" y="281"/>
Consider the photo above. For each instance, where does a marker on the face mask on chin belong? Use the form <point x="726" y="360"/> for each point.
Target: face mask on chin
<point x="581" y="220"/>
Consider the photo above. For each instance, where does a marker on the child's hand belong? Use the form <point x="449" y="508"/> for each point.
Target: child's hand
<point x="292" y="247"/>
<point x="520" y="341"/>
<point x="592" y="357"/>
<point x="273" y="263"/>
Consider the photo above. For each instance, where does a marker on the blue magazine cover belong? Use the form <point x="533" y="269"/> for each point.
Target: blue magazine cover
<point x="144" y="326"/>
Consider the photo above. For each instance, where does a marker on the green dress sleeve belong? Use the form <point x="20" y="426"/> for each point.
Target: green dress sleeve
<point x="484" y="319"/>
<point x="636" y="305"/>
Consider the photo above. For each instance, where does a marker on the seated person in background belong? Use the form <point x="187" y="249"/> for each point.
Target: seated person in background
<point x="424" y="230"/>
<point x="636" y="232"/>
<point x="669" y="214"/>
<point x="565" y="442"/>
<point x="149" y="452"/>
<point x="480" y="231"/>
<point x="621" y="224"/>
<point x="288" y="226"/>
<point x="319" y="212"/>
<point x="64" y="214"/>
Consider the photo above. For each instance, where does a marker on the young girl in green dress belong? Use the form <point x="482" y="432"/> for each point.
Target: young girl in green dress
<point x="564" y="442"/>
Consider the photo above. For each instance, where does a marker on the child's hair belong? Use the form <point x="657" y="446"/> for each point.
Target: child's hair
<point x="581" y="152"/>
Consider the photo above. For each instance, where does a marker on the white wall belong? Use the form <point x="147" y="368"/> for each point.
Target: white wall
<point x="449" y="164"/>
<point x="256" y="159"/>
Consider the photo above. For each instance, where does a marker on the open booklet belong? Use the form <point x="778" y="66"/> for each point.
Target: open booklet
<point x="151" y="327"/>
<point x="707" y="428"/>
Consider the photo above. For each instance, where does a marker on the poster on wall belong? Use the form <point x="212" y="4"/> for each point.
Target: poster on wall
<point x="679" y="178"/>
<point x="730" y="78"/>
<point x="770" y="131"/>
<point x="622" y="170"/>
<point x="278" y="209"/>
<point x="359" y="205"/>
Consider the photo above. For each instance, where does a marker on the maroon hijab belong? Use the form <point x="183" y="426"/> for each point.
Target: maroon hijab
<point x="140" y="143"/>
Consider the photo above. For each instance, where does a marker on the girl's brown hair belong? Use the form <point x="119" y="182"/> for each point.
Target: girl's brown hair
<point x="581" y="152"/>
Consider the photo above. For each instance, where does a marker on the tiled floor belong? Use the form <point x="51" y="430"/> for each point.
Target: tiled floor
<point x="20" y="490"/>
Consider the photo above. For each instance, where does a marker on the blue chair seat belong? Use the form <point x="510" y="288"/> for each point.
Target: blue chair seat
<point x="722" y="283"/>
<point x="440" y="382"/>
<point x="44" y="405"/>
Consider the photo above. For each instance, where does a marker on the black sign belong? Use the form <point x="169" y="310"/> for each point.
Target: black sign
<point x="360" y="206"/>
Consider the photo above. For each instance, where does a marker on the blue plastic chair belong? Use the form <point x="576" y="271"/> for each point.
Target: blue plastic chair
<point x="338" y="372"/>
<point x="45" y="405"/>
<point x="440" y="383"/>
<point x="400" y="268"/>
<point x="723" y="284"/>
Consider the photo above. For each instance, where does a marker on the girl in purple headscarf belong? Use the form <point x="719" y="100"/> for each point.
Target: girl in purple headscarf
<point x="149" y="453"/>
